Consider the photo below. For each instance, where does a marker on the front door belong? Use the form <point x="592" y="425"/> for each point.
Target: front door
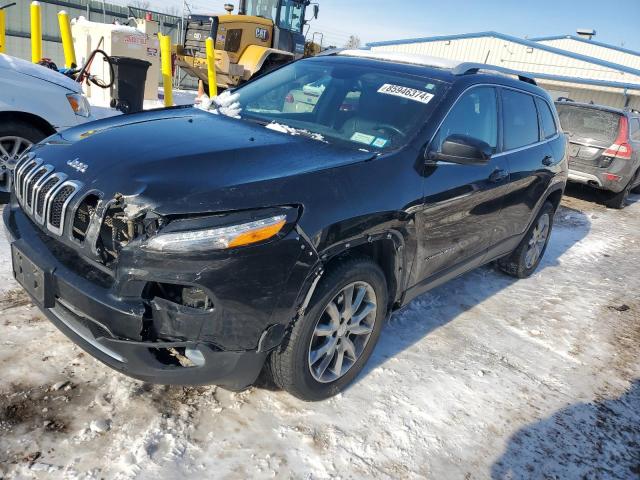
<point x="462" y="202"/>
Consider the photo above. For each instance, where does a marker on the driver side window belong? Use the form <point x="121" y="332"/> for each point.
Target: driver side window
<point x="475" y="115"/>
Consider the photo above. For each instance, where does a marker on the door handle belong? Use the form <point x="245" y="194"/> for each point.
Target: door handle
<point x="547" y="160"/>
<point x="498" y="175"/>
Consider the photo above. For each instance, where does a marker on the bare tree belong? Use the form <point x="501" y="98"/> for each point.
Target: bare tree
<point x="141" y="4"/>
<point x="353" y="42"/>
<point x="172" y="10"/>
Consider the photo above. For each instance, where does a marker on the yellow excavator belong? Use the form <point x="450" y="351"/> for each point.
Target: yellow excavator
<point x="263" y="35"/>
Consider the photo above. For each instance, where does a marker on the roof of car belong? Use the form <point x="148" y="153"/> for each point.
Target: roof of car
<point x="437" y="68"/>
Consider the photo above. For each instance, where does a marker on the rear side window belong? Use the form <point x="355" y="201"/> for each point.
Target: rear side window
<point x="589" y="124"/>
<point x="520" y="120"/>
<point x="475" y="114"/>
<point x="549" y="128"/>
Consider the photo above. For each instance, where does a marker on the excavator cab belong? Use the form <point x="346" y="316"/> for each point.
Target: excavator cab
<point x="263" y="35"/>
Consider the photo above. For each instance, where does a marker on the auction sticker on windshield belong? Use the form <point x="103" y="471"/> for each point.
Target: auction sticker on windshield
<point x="406" y="92"/>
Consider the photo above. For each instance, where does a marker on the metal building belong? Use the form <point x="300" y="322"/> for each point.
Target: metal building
<point x="562" y="71"/>
<point x="592" y="48"/>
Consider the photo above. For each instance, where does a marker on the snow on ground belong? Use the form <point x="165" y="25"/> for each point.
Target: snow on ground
<point x="484" y="377"/>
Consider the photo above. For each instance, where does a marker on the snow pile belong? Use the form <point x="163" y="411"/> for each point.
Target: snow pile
<point x="224" y="104"/>
<point x="282" y="128"/>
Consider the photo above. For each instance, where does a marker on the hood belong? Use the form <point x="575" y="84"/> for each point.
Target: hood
<point x="23" y="67"/>
<point x="175" y="160"/>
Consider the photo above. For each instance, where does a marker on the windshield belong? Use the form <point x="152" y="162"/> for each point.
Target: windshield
<point x="339" y="102"/>
<point x="291" y="15"/>
<point x="263" y="8"/>
<point x="589" y="123"/>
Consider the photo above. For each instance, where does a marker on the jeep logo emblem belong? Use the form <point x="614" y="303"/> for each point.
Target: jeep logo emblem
<point x="78" y="165"/>
<point x="262" y="34"/>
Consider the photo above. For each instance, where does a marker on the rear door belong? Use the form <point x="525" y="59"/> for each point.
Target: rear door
<point x="590" y="131"/>
<point x="530" y="158"/>
<point x="462" y="202"/>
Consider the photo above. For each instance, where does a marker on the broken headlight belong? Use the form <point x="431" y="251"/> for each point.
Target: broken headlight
<point x="245" y="232"/>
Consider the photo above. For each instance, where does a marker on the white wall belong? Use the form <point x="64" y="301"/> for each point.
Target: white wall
<point x="513" y="55"/>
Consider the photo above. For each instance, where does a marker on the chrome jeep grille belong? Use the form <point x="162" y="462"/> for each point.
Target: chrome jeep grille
<point x="43" y="194"/>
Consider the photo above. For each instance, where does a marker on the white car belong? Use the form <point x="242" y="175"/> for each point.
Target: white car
<point x="35" y="102"/>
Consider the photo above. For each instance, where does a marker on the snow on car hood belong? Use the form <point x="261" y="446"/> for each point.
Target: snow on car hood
<point x="18" y="65"/>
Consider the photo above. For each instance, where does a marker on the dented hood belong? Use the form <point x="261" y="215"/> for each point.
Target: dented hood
<point x="181" y="160"/>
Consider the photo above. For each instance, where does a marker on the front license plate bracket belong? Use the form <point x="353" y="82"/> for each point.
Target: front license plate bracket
<point x="29" y="275"/>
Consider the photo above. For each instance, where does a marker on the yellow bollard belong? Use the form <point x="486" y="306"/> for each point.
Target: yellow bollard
<point x="165" y="57"/>
<point x="211" y="68"/>
<point x="67" y="40"/>
<point x="36" y="32"/>
<point x="3" y="23"/>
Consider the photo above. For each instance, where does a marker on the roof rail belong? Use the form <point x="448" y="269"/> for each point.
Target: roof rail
<point x="467" y="68"/>
<point x="564" y="99"/>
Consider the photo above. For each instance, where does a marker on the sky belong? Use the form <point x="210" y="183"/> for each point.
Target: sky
<point x="616" y="21"/>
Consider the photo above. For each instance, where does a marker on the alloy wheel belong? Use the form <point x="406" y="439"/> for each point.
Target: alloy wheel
<point x="342" y="332"/>
<point x="537" y="241"/>
<point x="11" y="148"/>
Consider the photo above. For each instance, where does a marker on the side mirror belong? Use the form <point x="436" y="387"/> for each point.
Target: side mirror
<point x="464" y="150"/>
<point x="316" y="11"/>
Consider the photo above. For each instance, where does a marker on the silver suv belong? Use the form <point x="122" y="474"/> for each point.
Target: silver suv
<point x="603" y="149"/>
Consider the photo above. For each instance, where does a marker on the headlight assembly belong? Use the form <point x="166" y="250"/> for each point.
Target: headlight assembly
<point x="219" y="238"/>
<point x="79" y="104"/>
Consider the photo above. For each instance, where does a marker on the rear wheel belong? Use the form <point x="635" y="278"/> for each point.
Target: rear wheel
<point x="329" y="346"/>
<point x="636" y="189"/>
<point x="619" y="200"/>
<point x="15" y="138"/>
<point x="526" y="258"/>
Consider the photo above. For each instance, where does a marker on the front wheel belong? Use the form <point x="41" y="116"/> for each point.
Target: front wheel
<point x="15" y="138"/>
<point x="526" y="258"/>
<point x="329" y="346"/>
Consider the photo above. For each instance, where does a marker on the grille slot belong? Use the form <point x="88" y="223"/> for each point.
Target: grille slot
<point x="31" y="184"/>
<point x="46" y="188"/>
<point x="23" y="172"/>
<point x="56" y="208"/>
<point x="82" y="218"/>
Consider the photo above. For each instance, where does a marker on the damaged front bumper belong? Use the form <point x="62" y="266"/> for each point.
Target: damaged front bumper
<point x="115" y="318"/>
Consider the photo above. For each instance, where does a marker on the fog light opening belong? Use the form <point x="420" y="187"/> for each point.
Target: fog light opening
<point x="186" y="295"/>
<point x="195" y="355"/>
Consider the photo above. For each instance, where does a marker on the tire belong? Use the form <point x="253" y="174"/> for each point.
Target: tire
<point x="618" y="200"/>
<point x="14" y="131"/>
<point x="518" y="264"/>
<point x="294" y="367"/>
<point x="637" y="188"/>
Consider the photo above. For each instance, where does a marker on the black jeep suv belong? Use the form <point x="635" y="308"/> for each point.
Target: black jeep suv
<point x="185" y="246"/>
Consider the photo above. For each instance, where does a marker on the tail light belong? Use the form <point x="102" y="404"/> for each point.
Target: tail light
<point x="621" y="147"/>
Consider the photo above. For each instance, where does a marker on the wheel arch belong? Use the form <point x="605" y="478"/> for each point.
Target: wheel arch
<point x="554" y="197"/>
<point x="254" y="57"/>
<point x="386" y="250"/>
<point x="30" y="118"/>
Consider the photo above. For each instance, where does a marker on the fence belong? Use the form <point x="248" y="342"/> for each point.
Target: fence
<point x="18" y="24"/>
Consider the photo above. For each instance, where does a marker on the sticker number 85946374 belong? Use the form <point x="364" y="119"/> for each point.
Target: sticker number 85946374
<point x="406" y="92"/>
